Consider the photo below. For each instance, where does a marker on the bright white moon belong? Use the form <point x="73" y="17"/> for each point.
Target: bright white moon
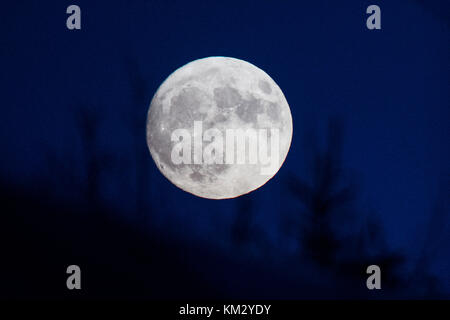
<point x="219" y="128"/>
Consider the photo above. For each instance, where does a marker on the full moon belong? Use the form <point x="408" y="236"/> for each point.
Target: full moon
<point x="224" y="109"/>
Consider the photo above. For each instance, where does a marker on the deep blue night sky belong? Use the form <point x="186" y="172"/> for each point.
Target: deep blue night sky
<point x="388" y="90"/>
